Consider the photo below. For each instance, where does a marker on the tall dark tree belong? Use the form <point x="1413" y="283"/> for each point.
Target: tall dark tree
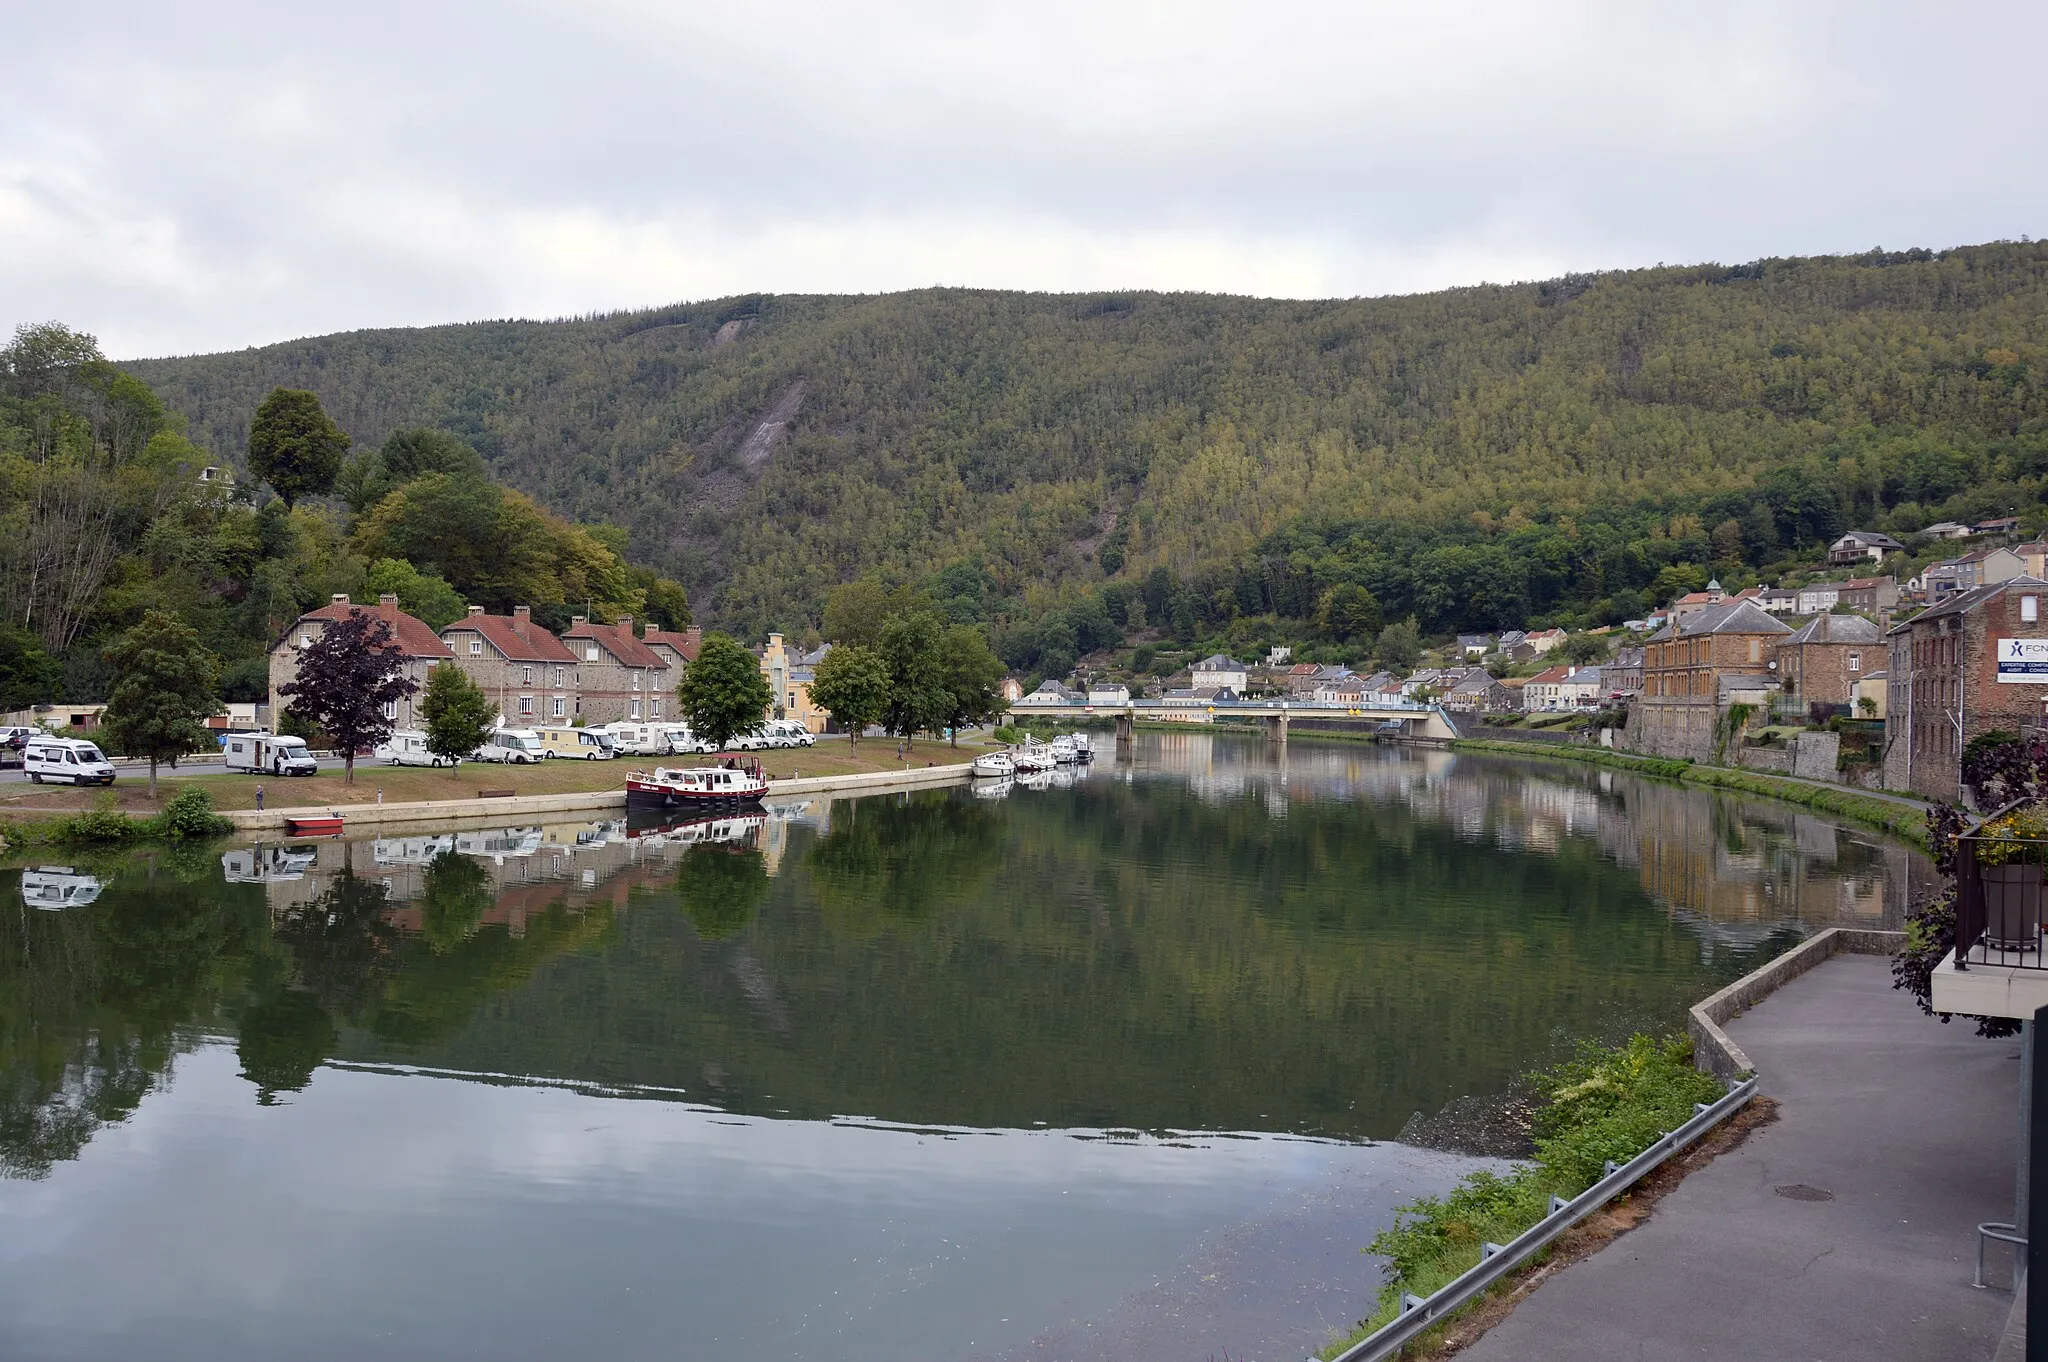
<point x="28" y="675"/>
<point x="165" y="684"/>
<point x="347" y="678"/>
<point x="294" y="446"/>
<point x="919" y="696"/>
<point x="723" y="692"/>
<point x="974" y="678"/>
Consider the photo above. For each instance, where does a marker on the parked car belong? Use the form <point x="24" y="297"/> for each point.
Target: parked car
<point x="68" y="759"/>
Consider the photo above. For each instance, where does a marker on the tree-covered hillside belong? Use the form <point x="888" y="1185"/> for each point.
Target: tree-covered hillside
<point x="1562" y="448"/>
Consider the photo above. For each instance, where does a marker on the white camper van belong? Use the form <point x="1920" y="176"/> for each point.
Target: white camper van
<point x="408" y="747"/>
<point x="789" y="733"/>
<point x="681" y="741"/>
<point x="277" y="754"/>
<point x="638" y="739"/>
<point x="592" y="744"/>
<point x="67" y="759"/>
<point x="512" y="747"/>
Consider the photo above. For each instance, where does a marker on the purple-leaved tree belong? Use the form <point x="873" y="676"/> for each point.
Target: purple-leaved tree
<point x="347" y="677"/>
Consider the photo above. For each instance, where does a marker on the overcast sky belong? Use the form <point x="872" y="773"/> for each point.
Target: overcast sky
<point x="207" y="176"/>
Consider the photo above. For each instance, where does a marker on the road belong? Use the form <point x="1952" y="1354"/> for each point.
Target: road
<point x="189" y="766"/>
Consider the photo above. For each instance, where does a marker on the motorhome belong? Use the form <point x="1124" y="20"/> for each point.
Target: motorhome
<point x="68" y="759"/>
<point x="512" y="747"/>
<point x="56" y="887"/>
<point x="681" y="741"/>
<point x="408" y="747"/>
<point x="591" y="744"/>
<point x="278" y="754"/>
<point x="788" y="733"/>
<point x="638" y="739"/>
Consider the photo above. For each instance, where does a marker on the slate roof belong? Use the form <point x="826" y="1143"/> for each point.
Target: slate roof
<point x="617" y="639"/>
<point x="1964" y="601"/>
<point x="1217" y="662"/>
<point x="1729" y="617"/>
<point x="1834" y="629"/>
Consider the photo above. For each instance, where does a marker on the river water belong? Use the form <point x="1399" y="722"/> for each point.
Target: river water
<point x="1130" y="1065"/>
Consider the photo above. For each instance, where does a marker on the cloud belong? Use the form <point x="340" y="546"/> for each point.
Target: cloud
<point x="176" y="179"/>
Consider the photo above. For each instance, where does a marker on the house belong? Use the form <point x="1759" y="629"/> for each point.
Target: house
<point x="1975" y="662"/>
<point x="2004" y="524"/>
<point x="1624" y="675"/>
<point x="1698" y="600"/>
<point x="1822" y="661"/>
<point x="1871" y="595"/>
<point x="2034" y="553"/>
<point x="622" y="678"/>
<point x="1479" y="693"/>
<point x="1690" y="669"/>
<point x="1012" y="689"/>
<point x="1475" y="645"/>
<point x="1352" y="691"/>
<point x="1193" y="704"/>
<point x="1818" y="598"/>
<point x="528" y="673"/>
<point x="420" y="647"/>
<point x="1051" y="692"/>
<point x="1985" y="567"/>
<point x="1779" y="600"/>
<point x="1300" y="679"/>
<point x="679" y="650"/>
<point x="1279" y="655"/>
<point x="1544" y="640"/>
<point x="1543" y="691"/>
<point x="1215" y="671"/>
<point x="1108" y="693"/>
<point x="803" y="670"/>
<point x="1428" y="679"/>
<point x="1582" y="688"/>
<point x="1860" y="546"/>
<point x="1946" y="529"/>
<point x="1510" y="639"/>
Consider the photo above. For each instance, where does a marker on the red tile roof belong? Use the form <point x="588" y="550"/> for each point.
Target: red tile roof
<point x="687" y="642"/>
<point x="617" y="639"/>
<point x="1551" y="674"/>
<point x="412" y="636"/>
<point x="516" y="636"/>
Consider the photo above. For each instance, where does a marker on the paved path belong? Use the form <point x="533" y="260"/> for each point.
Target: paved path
<point x="1913" y="1126"/>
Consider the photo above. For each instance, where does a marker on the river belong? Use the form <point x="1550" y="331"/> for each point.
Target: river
<point x="1131" y="1065"/>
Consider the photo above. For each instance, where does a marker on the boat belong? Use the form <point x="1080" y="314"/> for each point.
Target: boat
<point x="1083" y="749"/>
<point x="995" y="765"/>
<point x="734" y="785"/>
<point x="1032" y="756"/>
<point x="313" y="825"/>
<point x="1063" y="750"/>
<point x="654" y="828"/>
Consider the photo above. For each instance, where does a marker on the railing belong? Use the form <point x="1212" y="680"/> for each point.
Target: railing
<point x="2001" y="901"/>
<point x="1419" y="1315"/>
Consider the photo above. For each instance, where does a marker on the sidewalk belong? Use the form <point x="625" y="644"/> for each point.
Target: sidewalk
<point x="1911" y="1126"/>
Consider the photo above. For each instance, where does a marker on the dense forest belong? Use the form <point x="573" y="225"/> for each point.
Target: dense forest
<point x="1075" y="471"/>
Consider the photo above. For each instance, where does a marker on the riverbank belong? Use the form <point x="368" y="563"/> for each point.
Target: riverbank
<point x="1896" y="814"/>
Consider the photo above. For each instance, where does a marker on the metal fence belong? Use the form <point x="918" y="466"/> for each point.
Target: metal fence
<point x="1419" y="1314"/>
<point x="2001" y="900"/>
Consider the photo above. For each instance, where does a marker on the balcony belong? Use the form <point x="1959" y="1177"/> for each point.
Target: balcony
<point x="1997" y="968"/>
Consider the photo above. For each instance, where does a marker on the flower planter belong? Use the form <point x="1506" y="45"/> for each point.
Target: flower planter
<point x="2015" y="898"/>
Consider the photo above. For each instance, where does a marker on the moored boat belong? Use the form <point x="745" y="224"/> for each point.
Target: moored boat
<point x="994" y="765"/>
<point x="730" y="786"/>
<point x="1083" y="749"/>
<point x="314" y="825"/>
<point x="1063" y="750"/>
<point x="1032" y="756"/>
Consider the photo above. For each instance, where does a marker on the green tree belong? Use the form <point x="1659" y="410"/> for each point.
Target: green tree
<point x="1584" y="648"/>
<point x="405" y="455"/>
<point x="666" y="605"/>
<point x="28" y="675"/>
<point x="852" y="685"/>
<point x="1399" y="646"/>
<point x="346" y="678"/>
<point x="424" y="595"/>
<point x="458" y="713"/>
<point x="974" y="678"/>
<point x="721" y="888"/>
<point x="455" y="893"/>
<point x="723" y="692"/>
<point x="166" y="682"/>
<point x="1348" y="611"/>
<point x="856" y="613"/>
<point x="919" y="696"/>
<point x="294" y="446"/>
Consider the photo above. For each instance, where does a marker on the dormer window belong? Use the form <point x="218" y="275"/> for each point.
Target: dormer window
<point x="590" y="652"/>
<point x="476" y="647"/>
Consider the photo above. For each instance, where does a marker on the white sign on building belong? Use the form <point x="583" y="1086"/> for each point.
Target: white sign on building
<point x="2023" y="659"/>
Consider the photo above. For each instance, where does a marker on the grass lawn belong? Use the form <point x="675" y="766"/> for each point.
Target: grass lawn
<point x="404" y="784"/>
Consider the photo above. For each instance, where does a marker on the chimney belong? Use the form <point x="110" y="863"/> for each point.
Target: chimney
<point x="625" y="626"/>
<point x="387" y="607"/>
<point x="341" y="598"/>
<point x="522" y="617"/>
<point x="475" y="610"/>
<point x="576" y="620"/>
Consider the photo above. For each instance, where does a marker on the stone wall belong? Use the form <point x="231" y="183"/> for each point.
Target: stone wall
<point x="1814" y="755"/>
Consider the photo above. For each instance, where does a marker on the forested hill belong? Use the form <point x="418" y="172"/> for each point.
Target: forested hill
<point x="766" y="448"/>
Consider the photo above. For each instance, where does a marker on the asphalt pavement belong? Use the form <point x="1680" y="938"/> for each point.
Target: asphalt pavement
<point x="189" y="766"/>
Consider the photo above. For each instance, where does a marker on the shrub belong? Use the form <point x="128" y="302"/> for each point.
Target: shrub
<point x="190" y="814"/>
<point x="102" y="823"/>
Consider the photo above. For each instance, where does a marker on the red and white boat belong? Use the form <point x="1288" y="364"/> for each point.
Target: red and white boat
<point x="739" y="785"/>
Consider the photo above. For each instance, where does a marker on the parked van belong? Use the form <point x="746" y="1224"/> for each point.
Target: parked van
<point x="512" y="747"/>
<point x="638" y="739"/>
<point x="590" y="744"/>
<point x="408" y="747"/>
<point x="278" y="754"/>
<point x="789" y="733"/>
<point x="681" y="741"/>
<point x="69" y="759"/>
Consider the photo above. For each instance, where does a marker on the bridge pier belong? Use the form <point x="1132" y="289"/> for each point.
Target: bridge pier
<point x="1126" y="729"/>
<point x="1276" y="729"/>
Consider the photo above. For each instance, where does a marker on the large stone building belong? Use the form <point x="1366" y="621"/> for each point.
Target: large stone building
<point x="621" y="677"/>
<point x="1822" y="660"/>
<point x="1964" y="667"/>
<point x="1696" y="667"/>
<point x="528" y="673"/>
<point x="421" y="648"/>
<point x="679" y="650"/>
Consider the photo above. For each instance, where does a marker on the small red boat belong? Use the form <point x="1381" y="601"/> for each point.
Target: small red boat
<point x="736" y="786"/>
<point x="317" y="825"/>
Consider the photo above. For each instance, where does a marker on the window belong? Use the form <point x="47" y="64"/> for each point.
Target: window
<point x="391" y="709"/>
<point x="1855" y="662"/>
<point x="305" y="640"/>
<point x="1756" y="650"/>
<point x="476" y="647"/>
<point x="561" y="676"/>
<point x="636" y="710"/>
<point x="526" y="676"/>
<point x="636" y="680"/>
<point x="526" y="704"/>
<point x="655" y="711"/>
<point x="590" y="652"/>
<point x="2030" y="608"/>
<point x="561" y="707"/>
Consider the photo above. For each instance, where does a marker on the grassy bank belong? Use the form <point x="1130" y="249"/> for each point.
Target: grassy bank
<point x="188" y="815"/>
<point x="1899" y="820"/>
<point x="1608" y="1103"/>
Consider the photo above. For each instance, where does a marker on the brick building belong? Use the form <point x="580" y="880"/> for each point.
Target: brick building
<point x="622" y="678"/>
<point x="1824" y="658"/>
<point x="421" y="648"/>
<point x="1691" y="668"/>
<point x="528" y="673"/>
<point x="1944" y="683"/>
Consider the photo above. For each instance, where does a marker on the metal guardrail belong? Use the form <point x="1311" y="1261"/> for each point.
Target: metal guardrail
<point x="1420" y="1314"/>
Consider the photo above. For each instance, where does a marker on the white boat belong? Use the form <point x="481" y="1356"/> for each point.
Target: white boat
<point x="1063" y="750"/>
<point x="1083" y="749"/>
<point x="1032" y="756"/>
<point x="995" y="765"/>
<point x="994" y="789"/>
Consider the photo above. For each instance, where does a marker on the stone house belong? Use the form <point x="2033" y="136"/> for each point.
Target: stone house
<point x="1217" y="671"/>
<point x="1479" y="693"/>
<point x="621" y="677"/>
<point x="1968" y="666"/>
<point x="528" y="673"/>
<point x="679" y="650"/>
<point x="1824" y="658"/>
<point x="421" y="648"/>
<point x="1687" y="668"/>
<point x="1624" y="675"/>
<point x="1871" y="595"/>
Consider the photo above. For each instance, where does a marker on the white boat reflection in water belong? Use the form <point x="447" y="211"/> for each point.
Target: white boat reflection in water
<point x="994" y="789"/>
<point x="56" y="887"/>
<point x="261" y="864"/>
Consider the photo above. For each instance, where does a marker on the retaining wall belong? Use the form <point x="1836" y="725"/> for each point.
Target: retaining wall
<point x="1712" y="1050"/>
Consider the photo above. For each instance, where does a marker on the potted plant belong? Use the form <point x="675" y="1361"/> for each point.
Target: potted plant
<point x="2014" y="872"/>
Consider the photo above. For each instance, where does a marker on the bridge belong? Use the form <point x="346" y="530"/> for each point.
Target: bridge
<point x="1418" y="723"/>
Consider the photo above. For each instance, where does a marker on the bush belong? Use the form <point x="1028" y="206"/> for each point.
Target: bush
<point x="190" y="814"/>
<point x="103" y="823"/>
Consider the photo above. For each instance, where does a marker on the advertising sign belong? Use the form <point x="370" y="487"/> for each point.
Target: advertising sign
<point x="2023" y="659"/>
